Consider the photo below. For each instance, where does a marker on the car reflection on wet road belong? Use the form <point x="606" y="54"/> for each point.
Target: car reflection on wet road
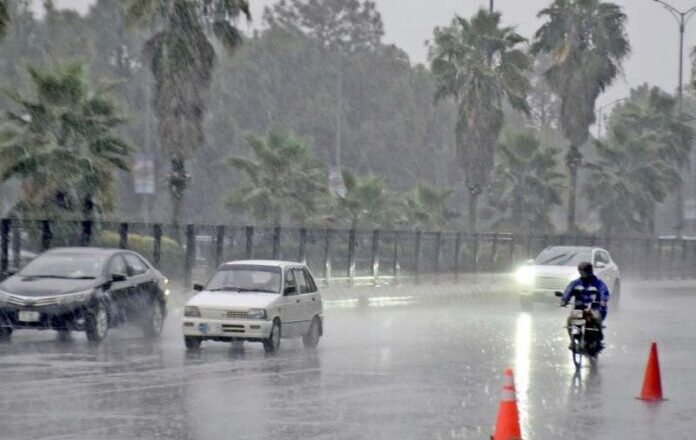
<point x="407" y="372"/>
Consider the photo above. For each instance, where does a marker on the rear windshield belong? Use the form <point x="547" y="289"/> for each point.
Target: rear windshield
<point x="563" y="257"/>
<point x="246" y="278"/>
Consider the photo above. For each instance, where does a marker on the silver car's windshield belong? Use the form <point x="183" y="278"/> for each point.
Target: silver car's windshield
<point x="563" y="257"/>
<point x="246" y="279"/>
<point x="71" y="266"/>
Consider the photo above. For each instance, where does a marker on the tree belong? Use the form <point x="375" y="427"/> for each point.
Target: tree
<point x="4" y="18"/>
<point x="626" y="182"/>
<point x="479" y="64"/>
<point x="63" y="147"/>
<point x="587" y="42"/>
<point x="526" y="184"/>
<point x="427" y="207"/>
<point x="654" y="114"/>
<point x="282" y="181"/>
<point x="181" y="60"/>
<point x="367" y="203"/>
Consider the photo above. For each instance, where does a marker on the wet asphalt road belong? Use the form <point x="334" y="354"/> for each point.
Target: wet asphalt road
<point x="423" y="371"/>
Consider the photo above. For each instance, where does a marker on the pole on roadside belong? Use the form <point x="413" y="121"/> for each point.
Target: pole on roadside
<point x="492" y="5"/>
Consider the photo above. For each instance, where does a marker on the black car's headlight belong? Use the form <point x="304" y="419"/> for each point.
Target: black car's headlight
<point x="192" y="312"/>
<point x="256" y="314"/>
<point x="77" y="297"/>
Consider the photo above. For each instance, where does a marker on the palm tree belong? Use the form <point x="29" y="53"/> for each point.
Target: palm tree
<point x="626" y="182"/>
<point x="653" y="113"/>
<point x="427" y="207"/>
<point x="63" y="146"/>
<point x="587" y="42"/>
<point x="181" y="60"/>
<point x="526" y="184"/>
<point x="4" y="18"/>
<point x="282" y="180"/>
<point x="367" y="203"/>
<point x="479" y="64"/>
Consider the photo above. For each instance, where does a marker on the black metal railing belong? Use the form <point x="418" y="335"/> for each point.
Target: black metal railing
<point x="334" y="255"/>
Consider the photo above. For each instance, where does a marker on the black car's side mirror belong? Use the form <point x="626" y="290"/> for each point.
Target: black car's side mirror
<point x="118" y="277"/>
<point x="289" y="290"/>
<point x="198" y="287"/>
<point x="559" y="294"/>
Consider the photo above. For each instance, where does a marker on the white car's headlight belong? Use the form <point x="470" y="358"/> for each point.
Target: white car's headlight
<point x="256" y="314"/>
<point x="192" y="312"/>
<point x="525" y="275"/>
<point x="77" y="297"/>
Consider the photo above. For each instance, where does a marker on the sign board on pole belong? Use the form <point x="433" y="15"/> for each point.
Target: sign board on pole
<point x="144" y="175"/>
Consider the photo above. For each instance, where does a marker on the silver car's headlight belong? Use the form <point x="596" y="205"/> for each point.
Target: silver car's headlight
<point x="77" y="297"/>
<point x="525" y="275"/>
<point x="256" y="314"/>
<point x="192" y="312"/>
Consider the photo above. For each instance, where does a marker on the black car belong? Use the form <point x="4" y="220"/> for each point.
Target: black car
<point x="84" y="289"/>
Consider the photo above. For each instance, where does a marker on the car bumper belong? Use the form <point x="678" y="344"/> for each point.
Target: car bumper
<point x="50" y="318"/>
<point x="224" y="329"/>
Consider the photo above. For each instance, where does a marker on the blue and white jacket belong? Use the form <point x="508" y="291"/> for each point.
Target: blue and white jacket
<point x="594" y="290"/>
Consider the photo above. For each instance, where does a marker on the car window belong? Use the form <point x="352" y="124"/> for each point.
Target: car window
<point x="310" y="281"/>
<point x="136" y="266"/>
<point x="302" y="284"/>
<point x="602" y="257"/>
<point x="117" y="266"/>
<point x="290" y="283"/>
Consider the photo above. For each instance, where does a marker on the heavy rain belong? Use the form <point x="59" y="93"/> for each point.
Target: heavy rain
<point x="347" y="219"/>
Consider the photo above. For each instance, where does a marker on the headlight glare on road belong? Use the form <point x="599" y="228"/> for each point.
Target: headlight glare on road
<point x="256" y="314"/>
<point x="525" y="275"/>
<point x="192" y="312"/>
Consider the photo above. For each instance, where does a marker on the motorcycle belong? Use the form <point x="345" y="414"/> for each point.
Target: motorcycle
<point x="585" y="334"/>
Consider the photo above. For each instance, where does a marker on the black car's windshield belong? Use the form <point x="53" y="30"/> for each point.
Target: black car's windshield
<point x="245" y="278"/>
<point x="68" y="266"/>
<point x="563" y="257"/>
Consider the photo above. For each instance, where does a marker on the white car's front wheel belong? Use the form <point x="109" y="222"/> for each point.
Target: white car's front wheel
<point x="272" y="343"/>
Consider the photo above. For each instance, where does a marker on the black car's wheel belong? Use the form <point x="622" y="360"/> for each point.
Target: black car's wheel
<point x="272" y="343"/>
<point x="192" y="342"/>
<point x="153" y="319"/>
<point x="97" y="323"/>
<point x="5" y="334"/>
<point x="311" y="339"/>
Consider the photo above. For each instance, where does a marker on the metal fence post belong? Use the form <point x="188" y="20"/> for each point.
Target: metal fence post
<point x="682" y="268"/>
<point x="512" y="251"/>
<point x="276" y="242"/>
<point x="659" y="259"/>
<point x="157" y="245"/>
<point x="303" y="246"/>
<point x="438" y="251"/>
<point x="219" y="245"/>
<point x="249" y="242"/>
<point x="395" y="266"/>
<point x="457" y="255"/>
<point x="16" y="245"/>
<point x="5" y="226"/>
<point x="647" y="262"/>
<point x="123" y="235"/>
<point x="528" y="247"/>
<point x="494" y="252"/>
<point x="190" y="254"/>
<point x="375" y="255"/>
<point x="416" y="258"/>
<point x="475" y="262"/>
<point x="86" y="236"/>
<point x="351" y="255"/>
<point x="327" y="256"/>
<point x="672" y="257"/>
<point x="46" y="235"/>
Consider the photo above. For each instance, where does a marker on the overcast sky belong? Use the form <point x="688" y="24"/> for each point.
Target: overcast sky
<point x="652" y="30"/>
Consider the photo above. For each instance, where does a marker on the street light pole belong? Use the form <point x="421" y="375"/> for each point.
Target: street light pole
<point x="492" y="5"/>
<point x="682" y="18"/>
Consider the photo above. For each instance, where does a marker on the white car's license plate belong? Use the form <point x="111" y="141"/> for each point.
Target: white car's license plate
<point x="29" y="316"/>
<point x="210" y="328"/>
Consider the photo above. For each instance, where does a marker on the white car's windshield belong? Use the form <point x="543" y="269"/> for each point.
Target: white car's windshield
<point x="245" y="278"/>
<point x="563" y="257"/>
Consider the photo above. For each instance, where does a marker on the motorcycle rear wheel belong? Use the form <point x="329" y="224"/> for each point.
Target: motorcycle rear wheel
<point x="575" y="345"/>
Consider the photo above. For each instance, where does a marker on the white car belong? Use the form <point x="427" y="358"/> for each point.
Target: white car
<point x="258" y="301"/>
<point x="557" y="266"/>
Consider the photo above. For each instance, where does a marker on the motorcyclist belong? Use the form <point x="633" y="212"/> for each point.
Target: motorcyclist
<point x="589" y="290"/>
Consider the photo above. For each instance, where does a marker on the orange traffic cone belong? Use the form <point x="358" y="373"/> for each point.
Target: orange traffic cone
<point x="507" y="426"/>
<point x="652" y="384"/>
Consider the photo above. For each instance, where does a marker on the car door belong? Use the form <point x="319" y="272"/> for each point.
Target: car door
<point x="307" y="301"/>
<point x="315" y="301"/>
<point x="290" y="314"/>
<point x="119" y="290"/>
<point x="140" y="282"/>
